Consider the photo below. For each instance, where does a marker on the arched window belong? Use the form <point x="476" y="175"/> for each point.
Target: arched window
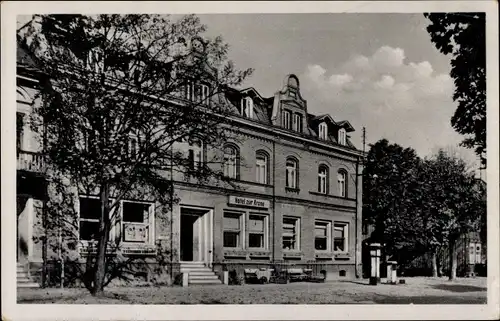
<point x="323" y="131"/>
<point x="342" y="136"/>
<point x="261" y="167"/>
<point x="231" y="162"/>
<point x="292" y="173"/>
<point x="323" y="179"/>
<point x="247" y="107"/>
<point x="342" y="183"/>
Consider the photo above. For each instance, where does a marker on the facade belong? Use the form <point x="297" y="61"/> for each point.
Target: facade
<point x="295" y="197"/>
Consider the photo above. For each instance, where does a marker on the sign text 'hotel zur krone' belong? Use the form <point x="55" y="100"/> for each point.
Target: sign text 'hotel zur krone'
<point x="247" y="201"/>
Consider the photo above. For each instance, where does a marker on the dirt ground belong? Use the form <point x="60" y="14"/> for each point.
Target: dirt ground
<point x="416" y="291"/>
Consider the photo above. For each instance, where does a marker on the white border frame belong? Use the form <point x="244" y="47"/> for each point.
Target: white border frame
<point x="250" y="312"/>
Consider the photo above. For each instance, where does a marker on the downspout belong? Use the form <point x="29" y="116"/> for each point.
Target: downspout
<point x="171" y="211"/>
<point x="356" y="240"/>
<point x="44" y="208"/>
<point x="274" y="199"/>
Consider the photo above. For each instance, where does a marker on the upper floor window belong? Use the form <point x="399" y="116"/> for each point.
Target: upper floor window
<point x="323" y="179"/>
<point x="19" y="130"/>
<point x="342" y="136"/>
<point x="195" y="155"/>
<point x="341" y="178"/>
<point x="95" y="61"/>
<point x="133" y="146"/>
<point x="297" y="122"/>
<point x="286" y="119"/>
<point x="261" y="167"/>
<point x="247" y="107"/>
<point x="323" y="131"/>
<point x="197" y="92"/>
<point x="291" y="173"/>
<point x="231" y="162"/>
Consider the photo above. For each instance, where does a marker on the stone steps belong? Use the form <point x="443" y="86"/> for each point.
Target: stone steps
<point x="23" y="280"/>
<point x="199" y="274"/>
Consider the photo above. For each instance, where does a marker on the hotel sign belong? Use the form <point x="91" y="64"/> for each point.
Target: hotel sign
<point x="248" y="201"/>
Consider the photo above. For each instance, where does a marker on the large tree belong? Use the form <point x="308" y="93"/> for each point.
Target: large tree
<point x="119" y="92"/>
<point x="463" y="36"/>
<point x="455" y="202"/>
<point x="390" y="195"/>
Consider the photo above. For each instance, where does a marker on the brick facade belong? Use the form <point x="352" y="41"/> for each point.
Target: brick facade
<point x="266" y="131"/>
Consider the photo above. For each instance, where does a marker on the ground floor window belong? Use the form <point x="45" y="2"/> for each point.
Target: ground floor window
<point x="90" y="212"/>
<point x="322" y="235"/>
<point x="232" y="230"/>
<point x="340" y="240"/>
<point x="291" y="228"/>
<point x="135" y="221"/>
<point x="257" y="227"/>
<point x="132" y="223"/>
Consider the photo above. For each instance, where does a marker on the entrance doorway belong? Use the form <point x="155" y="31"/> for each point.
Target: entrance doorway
<point x="196" y="242"/>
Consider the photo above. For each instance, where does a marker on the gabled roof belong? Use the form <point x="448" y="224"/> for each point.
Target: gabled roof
<point x="253" y="93"/>
<point x="324" y="117"/>
<point x="346" y="125"/>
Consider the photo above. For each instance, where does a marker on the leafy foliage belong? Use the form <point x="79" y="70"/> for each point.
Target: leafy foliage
<point x="120" y="91"/>
<point x="463" y="36"/>
<point x="389" y="179"/>
<point x="418" y="206"/>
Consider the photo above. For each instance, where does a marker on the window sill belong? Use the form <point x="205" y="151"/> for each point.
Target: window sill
<point x="342" y="255"/>
<point x="323" y="254"/>
<point x="89" y="247"/>
<point x="331" y="196"/>
<point x="235" y="253"/>
<point x="293" y="254"/>
<point x="259" y="253"/>
<point x="292" y="190"/>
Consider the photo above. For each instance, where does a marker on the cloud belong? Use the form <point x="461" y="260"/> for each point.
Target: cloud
<point x="404" y="101"/>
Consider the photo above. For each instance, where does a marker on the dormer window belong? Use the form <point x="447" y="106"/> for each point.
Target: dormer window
<point x="323" y="131"/>
<point x="297" y="122"/>
<point x="197" y="92"/>
<point x="286" y="119"/>
<point x="342" y="136"/>
<point x="247" y="107"/>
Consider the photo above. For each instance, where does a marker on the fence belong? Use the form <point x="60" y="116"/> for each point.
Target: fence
<point x="140" y="273"/>
<point x="422" y="265"/>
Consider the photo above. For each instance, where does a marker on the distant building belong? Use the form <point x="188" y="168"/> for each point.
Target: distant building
<point x="298" y="201"/>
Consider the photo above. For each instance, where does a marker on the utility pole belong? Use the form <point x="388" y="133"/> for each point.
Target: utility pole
<point x="364" y="142"/>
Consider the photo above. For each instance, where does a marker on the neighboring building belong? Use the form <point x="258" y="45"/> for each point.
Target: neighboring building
<point x="298" y="198"/>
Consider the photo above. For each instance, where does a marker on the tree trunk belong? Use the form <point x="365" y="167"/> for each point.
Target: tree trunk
<point x="434" y="264"/>
<point x="453" y="260"/>
<point x="104" y="222"/>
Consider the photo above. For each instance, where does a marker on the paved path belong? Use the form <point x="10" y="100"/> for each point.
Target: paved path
<point x="416" y="291"/>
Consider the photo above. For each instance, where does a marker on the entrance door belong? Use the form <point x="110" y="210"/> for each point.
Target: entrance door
<point x="196" y="235"/>
<point x="188" y="250"/>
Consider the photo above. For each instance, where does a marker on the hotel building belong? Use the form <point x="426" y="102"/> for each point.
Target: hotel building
<point x="297" y="201"/>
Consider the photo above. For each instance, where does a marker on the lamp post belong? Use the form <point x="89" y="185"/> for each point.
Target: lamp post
<point x="375" y="263"/>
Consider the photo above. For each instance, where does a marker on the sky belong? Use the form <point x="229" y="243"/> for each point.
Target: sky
<point x="378" y="71"/>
